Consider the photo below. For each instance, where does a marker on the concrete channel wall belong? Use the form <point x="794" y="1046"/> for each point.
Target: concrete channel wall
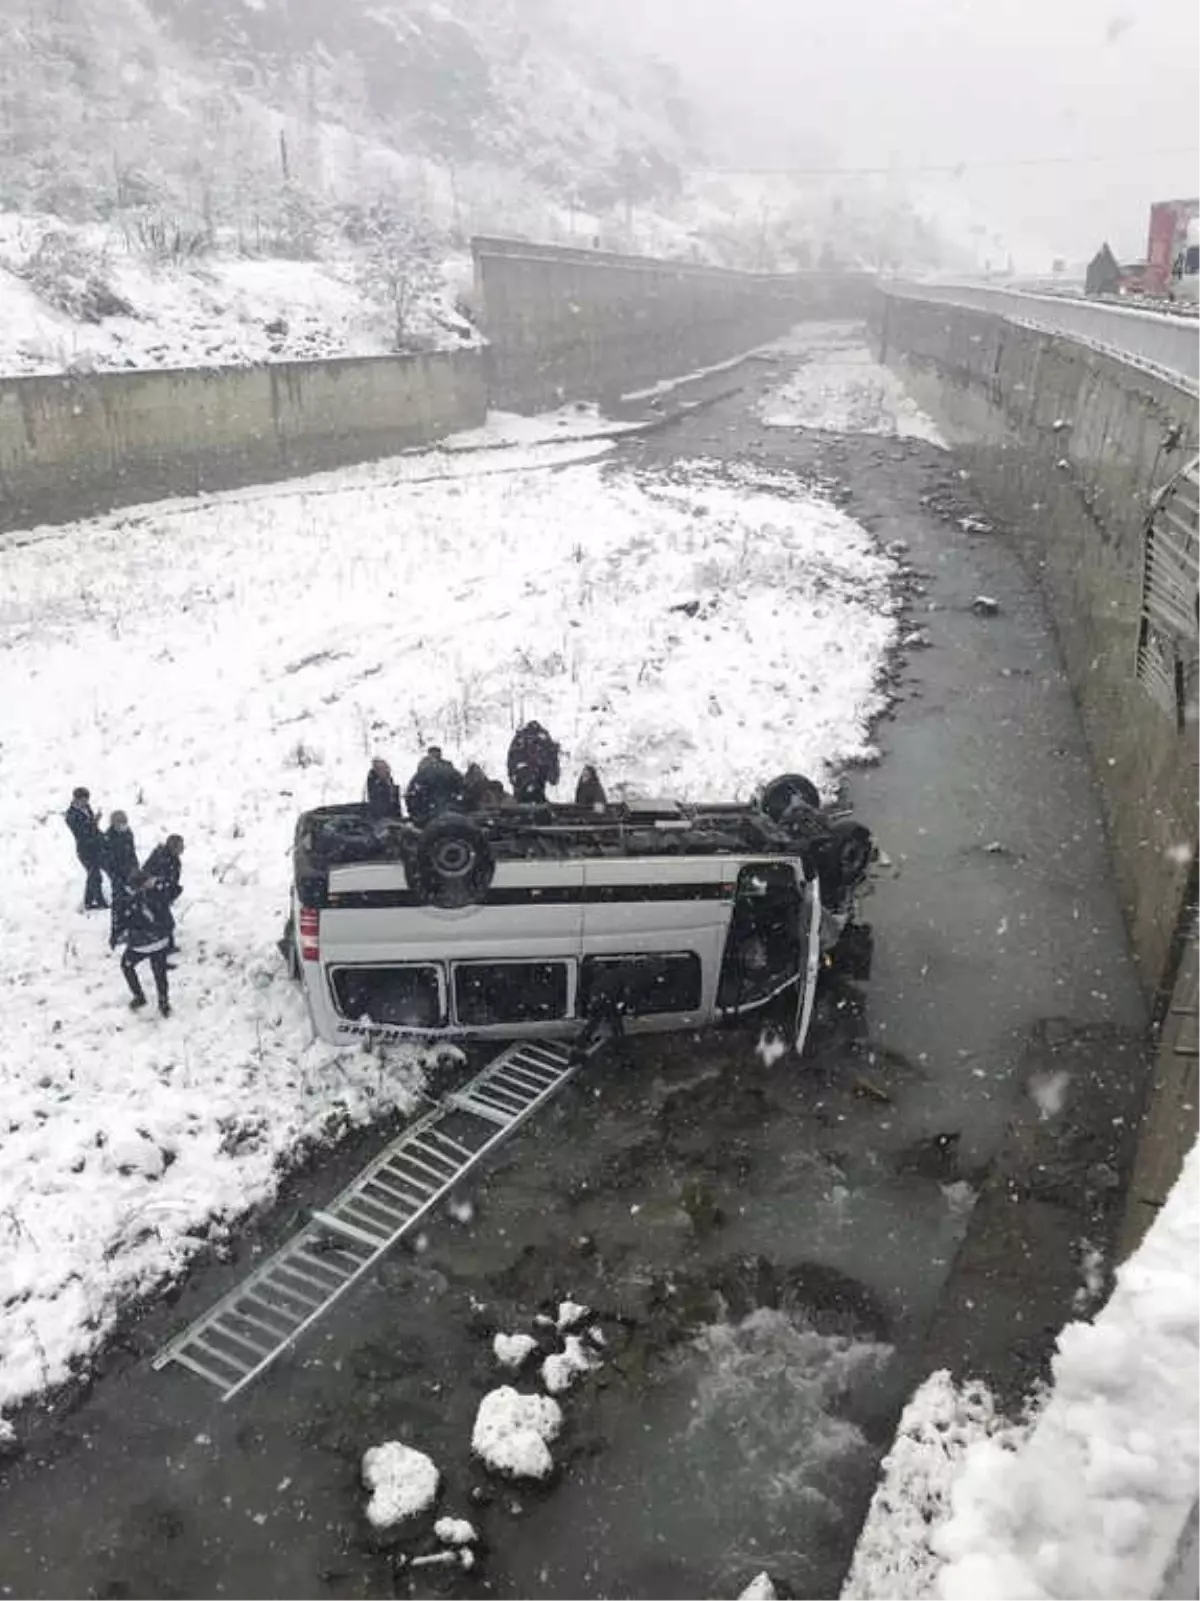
<point x="565" y="324"/>
<point x="75" y="445"/>
<point x="1152" y="339"/>
<point x="1068" y="445"/>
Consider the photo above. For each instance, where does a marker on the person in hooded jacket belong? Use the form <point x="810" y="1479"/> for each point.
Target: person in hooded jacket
<point x="146" y="925"/>
<point x="436" y="786"/>
<point x="532" y="764"/>
<point x="164" y="866"/>
<point x="589" y="791"/>
<point x="84" y="824"/>
<point x="120" y="861"/>
<point x="383" y="792"/>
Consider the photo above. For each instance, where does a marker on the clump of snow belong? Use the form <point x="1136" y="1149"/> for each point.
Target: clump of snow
<point x="8" y="1437"/>
<point x="760" y="1588"/>
<point x="839" y="387"/>
<point x="1091" y="1265"/>
<point x="503" y="428"/>
<point x="512" y="1430"/>
<point x="771" y="1046"/>
<point x="461" y="1208"/>
<point x="1095" y="1501"/>
<point x="895" y="1559"/>
<point x="570" y="1315"/>
<point x="455" y="1531"/>
<point x="1049" y="1092"/>
<point x="403" y="1483"/>
<point x="562" y="1368"/>
<point x="512" y="1350"/>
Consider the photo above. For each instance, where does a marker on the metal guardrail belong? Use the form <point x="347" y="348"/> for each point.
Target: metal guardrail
<point x="1165" y="344"/>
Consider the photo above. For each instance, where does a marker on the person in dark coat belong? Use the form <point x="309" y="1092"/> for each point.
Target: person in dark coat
<point x="383" y="792"/>
<point x="436" y="786"/>
<point x="532" y="764"/>
<point x="589" y="791"/>
<point x="163" y="867"/>
<point x="480" y="792"/>
<point x="84" y="824"/>
<point x="145" y="925"/>
<point x="120" y="861"/>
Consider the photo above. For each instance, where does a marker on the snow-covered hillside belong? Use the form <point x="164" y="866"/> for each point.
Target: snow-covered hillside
<point x="186" y="183"/>
<point x="190" y="182"/>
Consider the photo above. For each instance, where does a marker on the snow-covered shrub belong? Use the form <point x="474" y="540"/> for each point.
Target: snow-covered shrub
<point x="66" y="274"/>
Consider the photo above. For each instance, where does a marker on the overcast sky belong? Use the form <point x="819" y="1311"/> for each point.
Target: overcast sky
<point x="919" y="81"/>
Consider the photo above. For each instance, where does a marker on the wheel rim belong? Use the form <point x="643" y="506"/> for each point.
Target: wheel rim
<point x="453" y="858"/>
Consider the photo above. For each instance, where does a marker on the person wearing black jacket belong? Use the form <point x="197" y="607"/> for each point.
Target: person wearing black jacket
<point x="163" y="867"/>
<point x="120" y="861"/>
<point x="145" y="924"/>
<point x="532" y="764"/>
<point x="84" y="824"/>
<point x="436" y="786"/>
<point x="383" y="792"/>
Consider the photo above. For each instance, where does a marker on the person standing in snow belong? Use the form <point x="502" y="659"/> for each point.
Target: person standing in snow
<point x="163" y="866"/>
<point x="589" y="791"/>
<point x="145" y="923"/>
<point x="121" y="862"/>
<point x="532" y="764"/>
<point x="84" y="824"/>
<point x="383" y="792"/>
<point x="436" y="786"/>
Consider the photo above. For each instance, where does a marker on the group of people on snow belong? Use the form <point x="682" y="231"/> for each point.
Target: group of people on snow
<point x="140" y="896"/>
<point x="438" y="786"/>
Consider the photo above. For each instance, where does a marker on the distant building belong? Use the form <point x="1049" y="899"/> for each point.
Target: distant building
<point x="1104" y="275"/>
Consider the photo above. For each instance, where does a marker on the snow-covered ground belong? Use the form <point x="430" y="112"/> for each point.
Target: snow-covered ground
<point x="212" y="666"/>
<point x="839" y="387"/>
<point x="1090" y="1495"/>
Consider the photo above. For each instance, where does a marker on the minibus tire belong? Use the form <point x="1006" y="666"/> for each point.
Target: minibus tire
<point x="454" y="864"/>
<point x="779" y="794"/>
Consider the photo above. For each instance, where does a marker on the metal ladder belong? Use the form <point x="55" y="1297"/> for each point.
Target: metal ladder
<point x="245" y="1331"/>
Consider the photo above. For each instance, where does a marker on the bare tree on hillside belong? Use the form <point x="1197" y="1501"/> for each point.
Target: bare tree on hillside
<point x="399" y="268"/>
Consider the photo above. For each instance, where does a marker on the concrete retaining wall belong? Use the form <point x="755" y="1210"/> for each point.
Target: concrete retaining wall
<point x="72" y="446"/>
<point x="568" y="324"/>
<point x="1068" y="445"/>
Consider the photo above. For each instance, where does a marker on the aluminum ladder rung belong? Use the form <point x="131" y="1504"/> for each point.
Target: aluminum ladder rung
<point x="274" y="1335"/>
<point x="197" y="1367"/>
<point x="238" y="1365"/>
<point x="219" y="1328"/>
<point x="337" y="1226"/>
<point x="549" y="1056"/>
<point x="463" y="1152"/>
<point x="266" y="1314"/>
<point x="491" y="1114"/>
<point x="439" y="1178"/>
<point x="515" y="1073"/>
<point x="512" y="1100"/>
<point x="281" y="1314"/>
<point x="522" y="1091"/>
<point x="439" y="1159"/>
<point x="417" y="1200"/>
<point x="373" y="1215"/>
<point x="320" y="1264"/>
<point x="398" y="1197"/>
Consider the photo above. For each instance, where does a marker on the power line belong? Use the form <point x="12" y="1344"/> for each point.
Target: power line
<point x="958" y="168"/>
